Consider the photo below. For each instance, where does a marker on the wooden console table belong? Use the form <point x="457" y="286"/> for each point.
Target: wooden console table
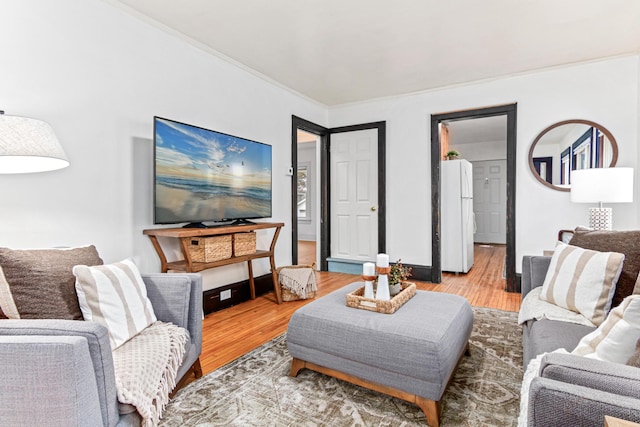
<point x="188" y="265"/>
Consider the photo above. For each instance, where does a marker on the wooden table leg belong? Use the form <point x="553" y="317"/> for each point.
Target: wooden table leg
<point x="252" y="285"/>
<point x="274" y="278"/>
<point x="186" y="253"/>
<point x="163" y="259"/>
<point x="272" y="260"/>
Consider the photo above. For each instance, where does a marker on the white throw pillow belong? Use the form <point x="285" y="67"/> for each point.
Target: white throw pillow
<point x="115" y="296"/>
<point x="582" y="280"/>
<point x="615" y="339"/>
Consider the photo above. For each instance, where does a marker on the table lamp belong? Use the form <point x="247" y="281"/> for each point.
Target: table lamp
<point x="28" y="145"/>
<point x="602" y="185"/>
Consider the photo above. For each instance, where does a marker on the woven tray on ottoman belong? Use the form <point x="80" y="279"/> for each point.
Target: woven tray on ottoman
<point x="297" y="282"/>
<point x="356" y="299"/>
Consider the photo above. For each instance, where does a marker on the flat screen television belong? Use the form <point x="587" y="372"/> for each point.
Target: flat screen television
<point x="202" y="175"/>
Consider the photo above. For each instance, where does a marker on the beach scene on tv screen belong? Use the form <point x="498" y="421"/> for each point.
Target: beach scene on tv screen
<point x="204" y="175"/>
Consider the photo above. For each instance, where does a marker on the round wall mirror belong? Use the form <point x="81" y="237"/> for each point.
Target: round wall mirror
<point x="567" y="146"/>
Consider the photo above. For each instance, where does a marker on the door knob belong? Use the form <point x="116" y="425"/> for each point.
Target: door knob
<point x="373" y="208"/>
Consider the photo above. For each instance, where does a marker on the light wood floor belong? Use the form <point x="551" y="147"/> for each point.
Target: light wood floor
<point x="232" y="332"/>
<point x="306" y="252"/>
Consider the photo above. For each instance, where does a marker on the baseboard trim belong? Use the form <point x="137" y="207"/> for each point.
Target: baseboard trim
<point x="349" y="266"/>
<point x="420" y="272"/>
<point x="518" y="282"/>
<point x="337" y="265"/>
<point x="240" y="292"/>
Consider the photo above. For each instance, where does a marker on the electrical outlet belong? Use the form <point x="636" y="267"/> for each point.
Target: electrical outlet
<point x="225" y="295"/>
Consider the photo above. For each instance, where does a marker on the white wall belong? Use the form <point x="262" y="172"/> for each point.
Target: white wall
<point x="98" y="76"/>
<point x="605" y="92"/>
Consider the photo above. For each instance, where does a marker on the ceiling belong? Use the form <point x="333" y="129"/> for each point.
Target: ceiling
<point x="337" y="51"/>
<point x="304" y="137"/>
<point x="484" y="129"/>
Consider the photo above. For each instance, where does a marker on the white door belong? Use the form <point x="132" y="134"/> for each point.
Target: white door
<point x="490" y="201"/>
<point x="354" y="195"/>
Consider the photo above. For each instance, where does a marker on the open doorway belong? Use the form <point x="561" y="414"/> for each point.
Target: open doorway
<point x="308" y="197"/>
<point x="437" y="188"/>
<point x="330" y="185"/>
<point x="481" y="144"/>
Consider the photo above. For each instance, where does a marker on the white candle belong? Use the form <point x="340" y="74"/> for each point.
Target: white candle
<point x="382" y="260"/>
<point x="368" y="269"/>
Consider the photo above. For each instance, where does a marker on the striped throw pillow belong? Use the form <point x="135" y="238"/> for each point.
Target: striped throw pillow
<point x="582" y="280"/>
<point x="615" y="339"/>
<point x="115" y="296"/>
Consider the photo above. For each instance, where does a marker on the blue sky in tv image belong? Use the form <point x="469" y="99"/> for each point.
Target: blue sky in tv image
<point x="191" y="147"/>
<point x="206" y="175"/>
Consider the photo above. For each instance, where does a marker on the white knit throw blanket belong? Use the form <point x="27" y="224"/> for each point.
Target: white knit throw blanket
<point x="300" y="281"/>
<point x="146" y="367"/>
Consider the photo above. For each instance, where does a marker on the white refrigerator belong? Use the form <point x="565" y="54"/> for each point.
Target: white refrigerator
<point x="457" y="222"/>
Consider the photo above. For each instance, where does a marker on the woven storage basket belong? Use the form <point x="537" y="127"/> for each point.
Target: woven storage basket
<point x="209" y="249"/>
<point x="286" y="294"/>
<point x="244" y="243"/>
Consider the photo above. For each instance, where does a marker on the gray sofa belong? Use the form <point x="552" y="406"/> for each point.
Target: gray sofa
<point x="60" y="372"/>
<point x="572" y="390"/>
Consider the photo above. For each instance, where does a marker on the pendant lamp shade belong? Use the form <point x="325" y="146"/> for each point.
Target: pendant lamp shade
<point x="29" y="145"/>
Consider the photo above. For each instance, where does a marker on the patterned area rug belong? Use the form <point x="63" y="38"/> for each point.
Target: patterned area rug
<point x="256" y="390"/>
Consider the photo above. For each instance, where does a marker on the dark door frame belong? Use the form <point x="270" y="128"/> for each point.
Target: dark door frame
<point x="325" y="190"/>
<point x="510" y="111"/>
<point x="323" y="133"/>
<point x="548" y="162"/>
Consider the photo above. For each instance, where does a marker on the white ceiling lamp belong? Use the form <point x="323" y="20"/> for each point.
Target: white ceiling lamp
<point x="29" y="145"/>
<point x="602" y="185"/>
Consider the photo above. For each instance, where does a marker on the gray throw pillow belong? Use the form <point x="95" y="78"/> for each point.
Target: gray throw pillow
<point x="39" y="283"/>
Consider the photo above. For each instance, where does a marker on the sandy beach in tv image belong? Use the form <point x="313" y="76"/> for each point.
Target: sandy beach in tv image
<point x="202" y="175"/>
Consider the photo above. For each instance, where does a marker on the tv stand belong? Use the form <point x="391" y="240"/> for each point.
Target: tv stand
<point x="194" y="225"/>
<point x="242" y="222"/>
<point x="188" y="265"/>
<point x="218" y="225"/>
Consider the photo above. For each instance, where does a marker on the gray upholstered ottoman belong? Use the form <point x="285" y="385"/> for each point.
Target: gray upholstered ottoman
<point x="410" y="354"/>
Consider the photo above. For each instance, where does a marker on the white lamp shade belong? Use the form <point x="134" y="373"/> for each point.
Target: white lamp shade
<point x="602" y="185"/>
<point x="29" y="145"/>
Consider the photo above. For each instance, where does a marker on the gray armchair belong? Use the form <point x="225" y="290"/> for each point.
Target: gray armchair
<point x="60" y="372"/>
<point x="572" y="390"/>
